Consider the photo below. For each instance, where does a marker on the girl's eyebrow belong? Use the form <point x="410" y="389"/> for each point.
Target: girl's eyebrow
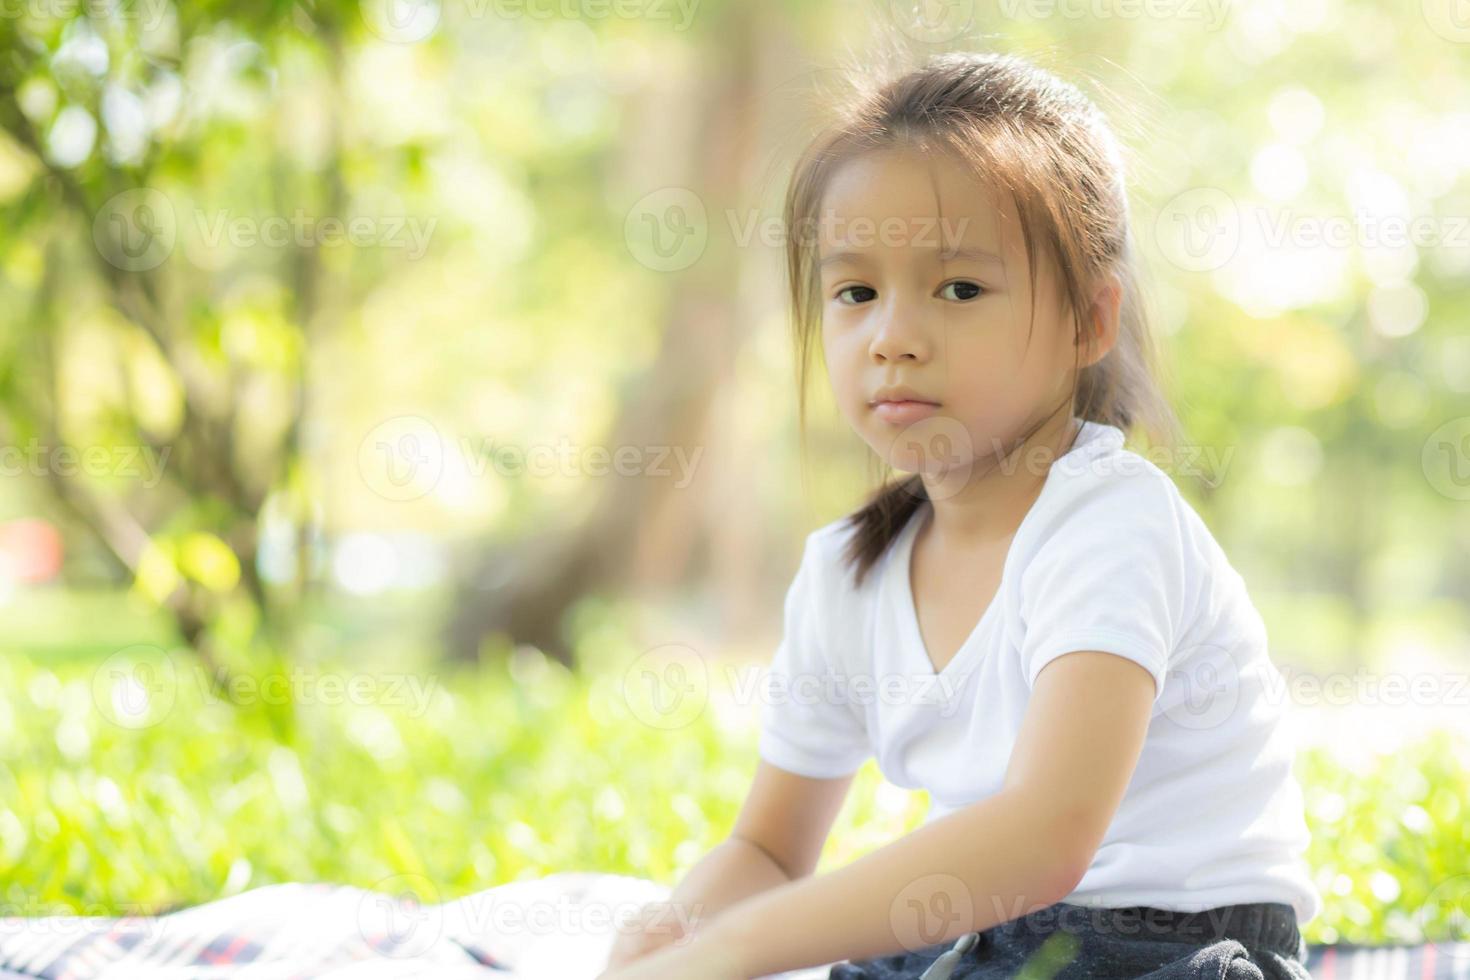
<point x="839" y="257"/>
<point x="961" y="252"/>
<point x="972" y="252"/>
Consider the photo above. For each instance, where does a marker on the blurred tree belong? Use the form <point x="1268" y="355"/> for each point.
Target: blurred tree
<point x="669" y="405"/>
<point x="105" y="223"/>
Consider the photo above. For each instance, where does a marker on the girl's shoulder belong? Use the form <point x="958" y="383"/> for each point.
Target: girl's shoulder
<point x="1102" y="483"/>
<point x="1100" y="456"/>
<point x="827" y="549"/>
<point x="831" y="574"/>
<point x="1105" y="503"/>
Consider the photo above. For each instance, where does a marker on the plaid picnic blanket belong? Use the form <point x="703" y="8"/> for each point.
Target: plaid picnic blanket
<point x="276" y="931"/>
<point x="1431" y="961"/>
<point x="559" y="927"/>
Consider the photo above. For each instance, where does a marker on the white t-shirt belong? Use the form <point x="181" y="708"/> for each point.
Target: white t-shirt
<point x="1110" y="557"/>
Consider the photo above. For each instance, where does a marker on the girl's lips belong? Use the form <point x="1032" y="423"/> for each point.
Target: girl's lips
<point x="904" y="412"/>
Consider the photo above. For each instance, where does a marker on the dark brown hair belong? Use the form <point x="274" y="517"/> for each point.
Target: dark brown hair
<point x="1049" y="147"/>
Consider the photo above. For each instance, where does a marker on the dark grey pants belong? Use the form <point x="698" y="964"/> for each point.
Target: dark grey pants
<point x="1252" y="941"/>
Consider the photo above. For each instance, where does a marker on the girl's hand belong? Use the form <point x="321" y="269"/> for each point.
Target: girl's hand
<point x="708" y="956"/>
<point x="655" y="927"/>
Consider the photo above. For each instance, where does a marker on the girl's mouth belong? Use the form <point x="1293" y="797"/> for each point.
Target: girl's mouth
<point x="904" y="412"/>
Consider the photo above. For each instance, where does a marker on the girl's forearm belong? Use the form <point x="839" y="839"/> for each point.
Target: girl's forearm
<point x="987" y="863"/>
<point x="732" y="871"/>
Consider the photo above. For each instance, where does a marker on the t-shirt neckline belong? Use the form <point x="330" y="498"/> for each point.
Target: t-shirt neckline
<point x="901" y="568"/>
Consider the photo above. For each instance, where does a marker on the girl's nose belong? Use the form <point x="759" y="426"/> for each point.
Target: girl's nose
<point x="899" y="337"/>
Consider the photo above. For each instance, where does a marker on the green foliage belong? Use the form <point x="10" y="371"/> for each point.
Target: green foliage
<point x="474" y="776"/>
<point x="522" y="143"/>
<point x="1389" y="839"/>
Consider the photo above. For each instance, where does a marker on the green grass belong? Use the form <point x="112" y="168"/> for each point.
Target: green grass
<point x="514" y="769"/>
<point x="56" y="623"/>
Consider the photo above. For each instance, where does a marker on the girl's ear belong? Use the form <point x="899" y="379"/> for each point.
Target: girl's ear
<point x="1100" y="329"/>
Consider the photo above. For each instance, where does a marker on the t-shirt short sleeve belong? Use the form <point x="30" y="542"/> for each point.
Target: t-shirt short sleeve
<point x="807" y="727"/>
<point x="1111" y="575"/>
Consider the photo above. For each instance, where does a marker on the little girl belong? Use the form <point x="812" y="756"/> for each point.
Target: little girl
<point x="1033" y="626"/>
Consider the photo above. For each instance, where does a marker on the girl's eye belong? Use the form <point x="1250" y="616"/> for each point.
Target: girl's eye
<point x="966" y="290"/>
<point x="861" y="289"/>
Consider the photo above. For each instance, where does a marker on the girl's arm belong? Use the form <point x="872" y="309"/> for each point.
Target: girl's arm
<point x="732" y="871"/>
<point x="777" y="838"/>
<point x="1023" y="848"/>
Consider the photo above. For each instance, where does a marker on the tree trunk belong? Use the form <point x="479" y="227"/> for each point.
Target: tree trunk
<point x="644" y="526"/>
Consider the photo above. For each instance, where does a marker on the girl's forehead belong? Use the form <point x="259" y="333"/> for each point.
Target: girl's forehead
<point x="931" y="195"/>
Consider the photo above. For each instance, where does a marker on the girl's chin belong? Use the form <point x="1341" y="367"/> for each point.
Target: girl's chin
<point x="946" y="483"/>
<point x="930" y="466"/>
<point x="930" y="445"/>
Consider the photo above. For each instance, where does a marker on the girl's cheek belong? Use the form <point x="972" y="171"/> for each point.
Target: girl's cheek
<point x="842" y="338"/>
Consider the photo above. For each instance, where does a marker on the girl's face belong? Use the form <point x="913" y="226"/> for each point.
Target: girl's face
<point x="939" y="305"/>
